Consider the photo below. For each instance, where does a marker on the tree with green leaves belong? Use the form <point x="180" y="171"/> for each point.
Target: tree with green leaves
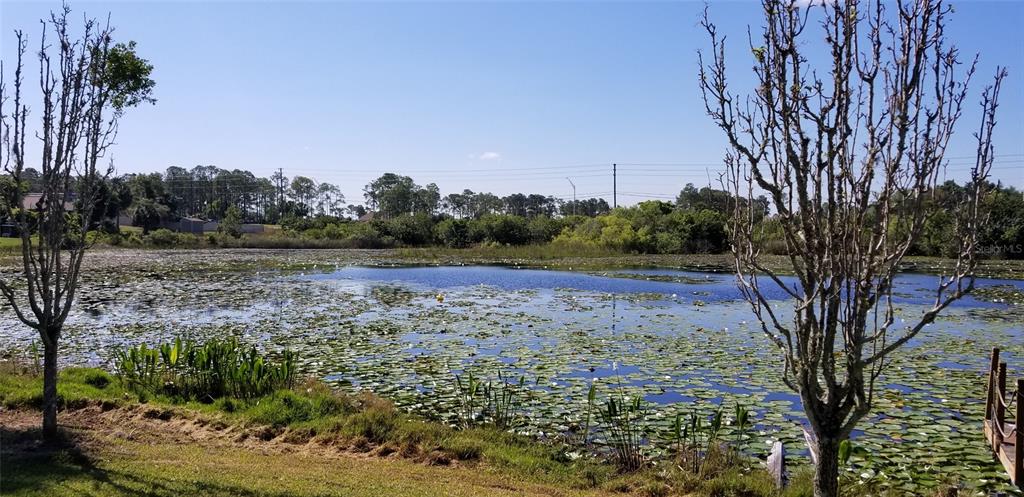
<point x="87" y="82"/>
<point x="231" y="224"/>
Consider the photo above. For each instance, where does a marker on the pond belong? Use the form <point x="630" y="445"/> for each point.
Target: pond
<point x="684" y="341"/>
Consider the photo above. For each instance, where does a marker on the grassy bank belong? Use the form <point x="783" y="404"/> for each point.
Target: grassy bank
<point x="304" y="441"/>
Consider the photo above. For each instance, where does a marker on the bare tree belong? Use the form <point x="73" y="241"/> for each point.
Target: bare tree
<point x="83" y="98"/>
<point x="846" y="154"/>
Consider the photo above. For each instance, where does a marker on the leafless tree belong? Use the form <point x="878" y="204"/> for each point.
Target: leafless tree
<point x="85" y="83"/>
<point x="847" y="153"/>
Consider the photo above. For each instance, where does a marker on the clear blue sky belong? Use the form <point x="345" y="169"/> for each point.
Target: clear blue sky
<point x="467" y="95"/>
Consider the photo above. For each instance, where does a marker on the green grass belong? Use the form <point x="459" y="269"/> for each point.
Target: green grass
<point x="12" y="245"/>
<point x="307" y="425"/>
<point x="133" y="468"/>
<point x="77" y="387"/>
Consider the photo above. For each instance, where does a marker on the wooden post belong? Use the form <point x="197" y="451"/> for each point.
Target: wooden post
<point x="1018" y="471"/>
<point x="993" y="366"/>
<point x="777" y="465"/>
<point x="1000" y="418"/>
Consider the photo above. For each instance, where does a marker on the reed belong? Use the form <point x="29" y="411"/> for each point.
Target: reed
<point x="622" y="419"/>
<point x="495" y="403"/>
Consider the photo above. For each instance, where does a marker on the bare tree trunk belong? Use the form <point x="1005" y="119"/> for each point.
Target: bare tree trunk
<point x="50" y="392"/>
<point x="847" y="155"/>
<point x="83" y="98"/>
<point x="826" y="471"/>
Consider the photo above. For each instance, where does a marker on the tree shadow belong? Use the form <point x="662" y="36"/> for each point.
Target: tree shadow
<point x="30" y="465"/>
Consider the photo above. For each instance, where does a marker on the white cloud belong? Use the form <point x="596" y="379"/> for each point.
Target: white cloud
<point x="488" y="156"/>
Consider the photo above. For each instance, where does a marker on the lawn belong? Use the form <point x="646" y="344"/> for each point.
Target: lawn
<point x="107" y="465"/>
<point x="113" y="444"/>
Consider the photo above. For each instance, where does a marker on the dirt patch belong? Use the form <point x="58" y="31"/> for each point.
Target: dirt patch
<point x="97" y="425"/>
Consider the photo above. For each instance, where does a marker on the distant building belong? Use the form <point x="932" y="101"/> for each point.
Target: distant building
<point x="369" y="216"/>
<point x="31" y="202"/>
<point x="192" y="225"/>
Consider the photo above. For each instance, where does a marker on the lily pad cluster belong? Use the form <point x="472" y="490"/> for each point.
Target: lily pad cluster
<point x="382" y="331"/>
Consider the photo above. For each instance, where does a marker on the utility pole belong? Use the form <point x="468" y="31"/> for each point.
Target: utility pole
<point x="615" y="186"/>
<point x="280" y="189"/>
<point x="573" y="195"/>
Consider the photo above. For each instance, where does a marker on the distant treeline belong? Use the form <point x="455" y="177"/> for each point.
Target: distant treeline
<point x="399" y="212"/>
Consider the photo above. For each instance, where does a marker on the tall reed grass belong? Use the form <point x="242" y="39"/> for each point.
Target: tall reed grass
<point x="497" y="403"/>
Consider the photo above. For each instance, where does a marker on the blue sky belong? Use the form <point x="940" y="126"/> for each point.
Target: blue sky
<point x="499" y="96"/>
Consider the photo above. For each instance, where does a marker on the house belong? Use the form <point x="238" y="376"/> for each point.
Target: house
<point x="369" y="216"/>
<point x="30" y="202"/>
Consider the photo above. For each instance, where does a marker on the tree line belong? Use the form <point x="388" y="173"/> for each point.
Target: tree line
<point x="208" y="192"/>
<point x="407" y="214"/>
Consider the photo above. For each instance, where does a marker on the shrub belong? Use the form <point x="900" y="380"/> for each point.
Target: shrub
<point x="415" y="230"/>
<point x="452" y="233"/>
<point x="543" y="229"/>
<point x="506" y="230"/>
<point x="364" y="236"/>
<point x="162" y="238"/>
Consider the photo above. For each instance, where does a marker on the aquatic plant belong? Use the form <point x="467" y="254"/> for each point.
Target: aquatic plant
<point x="498" y="403"/>
<point x="591" y="398"/>
<point x="741" y="422"/>
<point x="468" y="387"/>
<point x="696" y="438"/>
<point x="622" y="419"/>
<point x="206" y="371"/>
<point x="504" y="400"/>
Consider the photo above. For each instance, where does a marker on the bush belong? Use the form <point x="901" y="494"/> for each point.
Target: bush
<point x="364" y="236"/>
<point x="543" y="229"/>
<point x="415" y="230"/>
<point x="452" y="233"/>
<point x="162" y="238"/>
<point x="504" y="229"/>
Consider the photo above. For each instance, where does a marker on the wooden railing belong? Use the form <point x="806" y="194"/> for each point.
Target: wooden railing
<point x="1005" y="438"/>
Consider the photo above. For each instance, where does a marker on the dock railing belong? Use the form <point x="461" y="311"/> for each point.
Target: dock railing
<point x="1006" y="439"/>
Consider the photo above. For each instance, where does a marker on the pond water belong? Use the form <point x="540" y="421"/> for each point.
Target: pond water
<point x="684" y="341"/>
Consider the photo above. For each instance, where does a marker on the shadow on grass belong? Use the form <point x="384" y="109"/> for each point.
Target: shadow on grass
<point x="30" y="465"/>
<point x="70" y="466"/>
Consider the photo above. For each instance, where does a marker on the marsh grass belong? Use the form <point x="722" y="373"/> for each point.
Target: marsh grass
<point x="622" y="419"/>
<point x="588" y="415"/>
<point x="699" y="440"/>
